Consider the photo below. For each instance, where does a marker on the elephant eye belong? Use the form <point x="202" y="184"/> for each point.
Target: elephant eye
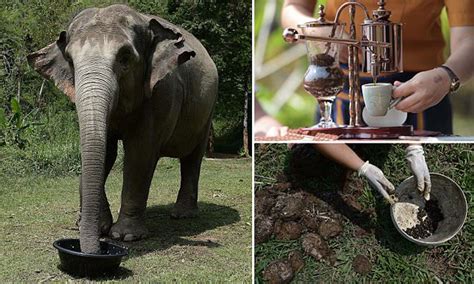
<point x="125" y="56"/>
<point x="124" y="59"/>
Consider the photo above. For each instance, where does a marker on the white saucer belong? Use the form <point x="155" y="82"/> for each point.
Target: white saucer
<point x="394" y="117"/>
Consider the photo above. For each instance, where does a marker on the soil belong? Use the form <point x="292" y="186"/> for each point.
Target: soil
<point x="281" y="177"/>
<point x="316" y="247"/>
<point x="361" y="264"/>
<point x="288" y="213"/>
<point x="287" y="230"/>
<point x="264" y="202"/>
<point x="330" y="229"/>
<point x="288" y="207"/>
<point x="282" y="186"/>
<point x="361" y="232"/>
<point x="353" y="185"/>
<point x="263" y="228"/>
<point x="278" y="271"/>
<point x="296" y="260"/>
<point x="310" y="222"/>
<point x="439" y="262"/>
<point x="351" y="201"/>
<point x="428" y="218"/>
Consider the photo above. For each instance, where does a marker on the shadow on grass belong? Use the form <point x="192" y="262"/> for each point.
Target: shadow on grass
<point x="165" y="232"/>
<point x="121" y="273"/>
<point x="388" y="236"/>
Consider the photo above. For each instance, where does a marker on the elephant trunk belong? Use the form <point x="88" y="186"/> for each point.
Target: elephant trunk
<point x="96" y="87"/>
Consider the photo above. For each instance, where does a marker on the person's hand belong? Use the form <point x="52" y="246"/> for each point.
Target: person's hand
<point x="424" y="90"/>
<point x="265" y="125"/>
<point x="377" y="179"/>
<point x="277" y="131"/>
<point x="417" y="163"/>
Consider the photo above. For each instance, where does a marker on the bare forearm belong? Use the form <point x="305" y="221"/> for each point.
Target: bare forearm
<point x="341" y="154"/>
<point x="462" y="56"/>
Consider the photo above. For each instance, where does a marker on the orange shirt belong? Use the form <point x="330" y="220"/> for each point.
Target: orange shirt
<point x="423" y="41"/>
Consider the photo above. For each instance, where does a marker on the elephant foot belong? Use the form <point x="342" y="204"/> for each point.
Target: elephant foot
<point x="105" y="222"/>
<point x="180" y="211"/>
<point x="128" y="229"/>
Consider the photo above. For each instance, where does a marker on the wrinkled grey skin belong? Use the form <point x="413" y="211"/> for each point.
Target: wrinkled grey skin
<point x="139" y="79"/>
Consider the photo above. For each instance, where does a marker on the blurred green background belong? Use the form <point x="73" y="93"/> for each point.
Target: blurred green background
<point x="280" y="67"/>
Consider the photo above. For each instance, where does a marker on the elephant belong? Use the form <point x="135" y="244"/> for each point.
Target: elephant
<point x="142" y="80"/>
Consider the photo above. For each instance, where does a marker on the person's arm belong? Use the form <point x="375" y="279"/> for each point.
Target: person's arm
<point x="344" y="155"/>
<point x="428" y="88"/>
<point x="341" y="154"/>
<point x="264" y="125"/>
<point x="295" y="12"/>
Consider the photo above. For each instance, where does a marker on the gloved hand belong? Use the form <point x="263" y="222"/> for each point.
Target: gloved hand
<point x="377" y="179"/>
<point x="417" y="163"/>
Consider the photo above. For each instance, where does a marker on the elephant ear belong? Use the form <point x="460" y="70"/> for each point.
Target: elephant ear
<point x="52" y="65"/>
<point x="169" y="50"/>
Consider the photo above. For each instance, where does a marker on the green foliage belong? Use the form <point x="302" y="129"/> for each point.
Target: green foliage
<point x="225" y="29"/>
<point x="13" y="128"/>
<point x="53" y="147"/>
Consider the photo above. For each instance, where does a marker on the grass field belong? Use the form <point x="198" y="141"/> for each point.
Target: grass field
<point x="394" y="259"/>
<point x="36" y="210"/>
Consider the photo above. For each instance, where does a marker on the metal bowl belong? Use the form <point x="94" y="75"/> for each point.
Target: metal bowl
<point x="77" y="263"/>
<point x="452" y="203"/>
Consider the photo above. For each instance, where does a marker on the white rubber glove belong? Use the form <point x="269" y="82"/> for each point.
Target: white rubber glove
<point x="417" y="163"/>
<point x="377" y="179"/>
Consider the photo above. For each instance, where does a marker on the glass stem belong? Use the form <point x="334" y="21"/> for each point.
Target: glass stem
<point x="326" y="109"/>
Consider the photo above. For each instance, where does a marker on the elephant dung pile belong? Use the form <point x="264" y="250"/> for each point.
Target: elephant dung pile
<point x="287" y="214"/>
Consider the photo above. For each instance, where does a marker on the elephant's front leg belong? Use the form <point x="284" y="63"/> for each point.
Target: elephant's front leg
<point x="139" y="165"/>
<point x="105" y="218"/>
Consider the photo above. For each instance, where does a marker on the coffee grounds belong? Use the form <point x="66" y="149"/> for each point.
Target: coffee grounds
<point x="323" y="78"/>
<point x="429" y="218"/>
<point x="322" y="59"/>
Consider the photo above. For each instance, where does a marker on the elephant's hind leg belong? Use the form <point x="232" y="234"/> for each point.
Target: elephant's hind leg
<point x="186" y="203"/>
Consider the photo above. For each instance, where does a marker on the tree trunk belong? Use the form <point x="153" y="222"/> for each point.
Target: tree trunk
<point x="245" y="132"/>
<point x="210" y="142"/>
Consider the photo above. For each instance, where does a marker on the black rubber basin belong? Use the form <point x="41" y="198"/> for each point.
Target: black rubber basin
<point x="77" y="263"/>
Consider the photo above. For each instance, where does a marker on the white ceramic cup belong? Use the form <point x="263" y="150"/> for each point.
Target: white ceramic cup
<point x="378" y="98"/>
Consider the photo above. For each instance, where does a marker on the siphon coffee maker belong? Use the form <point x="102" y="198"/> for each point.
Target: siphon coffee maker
<point x="381" y="48"/>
